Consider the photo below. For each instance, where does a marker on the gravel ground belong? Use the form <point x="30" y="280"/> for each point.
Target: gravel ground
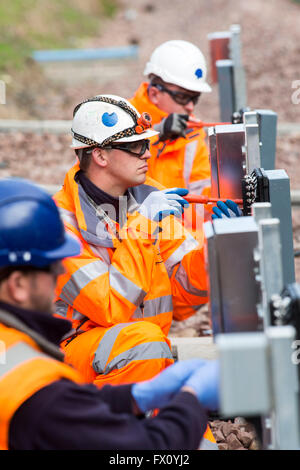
<point x="270" y="53"/>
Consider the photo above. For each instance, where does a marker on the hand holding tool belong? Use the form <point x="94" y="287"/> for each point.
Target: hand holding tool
<point x="160" y="204"/>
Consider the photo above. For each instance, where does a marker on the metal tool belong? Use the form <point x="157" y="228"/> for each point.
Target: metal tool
<point x="198" y="199"/>
<point x="197" y="124"/>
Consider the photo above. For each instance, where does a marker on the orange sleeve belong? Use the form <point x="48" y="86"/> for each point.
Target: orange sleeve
<point x="109" y="292"/>
<point x="184" y="261"/>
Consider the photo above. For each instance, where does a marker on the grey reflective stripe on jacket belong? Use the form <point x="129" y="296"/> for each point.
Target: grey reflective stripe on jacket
<point x="144" y="351"/>
<point x="197" y="187"/>
<point x="96" y="232"/>
<point x="141" y="191"/>
<point x="88" y="273"/>
<point x="189" y="244"/>
<point x="153" y="307"/>
<point x="125" y="287"/>
<point x="183" y="279"/>
<point x="61" y="308"/>
<point x="17" y="354"/>
<point x="81" y="278"/>
<point x="189" y="156"/>
<point x="68" y="217"/>
<point x="101" y="252"/>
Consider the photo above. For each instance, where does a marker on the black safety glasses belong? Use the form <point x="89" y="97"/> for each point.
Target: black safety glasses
<point x="179" y="96"/>
<point x="137" y="148"/>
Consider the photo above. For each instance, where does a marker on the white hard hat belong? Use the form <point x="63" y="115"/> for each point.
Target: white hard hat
<point x="108" y="118"/>
<point x="180" y="63"/>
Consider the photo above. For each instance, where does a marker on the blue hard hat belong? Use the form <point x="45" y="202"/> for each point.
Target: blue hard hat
<point x="31" y="230"/>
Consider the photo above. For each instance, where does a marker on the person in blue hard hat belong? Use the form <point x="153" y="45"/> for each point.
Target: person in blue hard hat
<point x="44" y="403"/>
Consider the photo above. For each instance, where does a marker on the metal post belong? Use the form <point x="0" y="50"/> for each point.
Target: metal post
<point x="226" y="92"/>
<point x="280" y="198"/>
<point x="267" y="123"/>
<point x="285" y="388"/>
<point x="269" y="249"/>
<point x="252" y="146"/>
<point x="239" y="78"/>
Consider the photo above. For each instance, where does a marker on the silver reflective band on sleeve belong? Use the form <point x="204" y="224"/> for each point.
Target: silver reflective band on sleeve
<point x="141" y="352"/>
<point x="105" y="346"/>
<point x="125" y="287"/>
<point x="153" y="307"/>
<point x="189" y="155"/>
<point x="153" y="350"/>
<point x="206" y="444"/>
<point x="189" y="244"/>
<point x="101" y="252"/>
<point x="68" y="217"/>
<point x="17" y="354"/>
<point x="197" y="187"/>
<point x="78" y="316"/>
<point x="61" y="308"/>
<point x="182" y="277"/>
<point x="81" y="278"/>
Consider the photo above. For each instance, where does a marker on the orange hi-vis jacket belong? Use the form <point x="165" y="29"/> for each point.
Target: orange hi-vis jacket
<point x="24" y="370"/>
<point x="124" y="288"/>
<point x="130" y="279"/>
<point x="181" y="163"/>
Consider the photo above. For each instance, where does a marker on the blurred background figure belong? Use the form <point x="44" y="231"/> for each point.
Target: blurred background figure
<point x="176" y="73"/>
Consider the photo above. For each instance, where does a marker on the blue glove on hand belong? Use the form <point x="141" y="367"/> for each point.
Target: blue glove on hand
<point x="158" y="391"/>
<point x="160" y="204"/>
<point x="205" y="383"/>
<point x="226" y="210"/>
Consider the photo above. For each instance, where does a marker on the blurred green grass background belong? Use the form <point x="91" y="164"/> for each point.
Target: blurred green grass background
<point x="26" y="25"/>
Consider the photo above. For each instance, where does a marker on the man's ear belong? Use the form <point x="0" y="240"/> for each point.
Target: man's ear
<point x="153" y="94"/>
<point x="100" y="157"/>
<point x="18" y="287"/>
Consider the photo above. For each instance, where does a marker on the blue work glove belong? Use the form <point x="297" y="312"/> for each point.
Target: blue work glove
<point x="160" y="204"/>
<point x="205" y="383"/>
<point x="226" y="209"/>
<point x="158" y="391"/>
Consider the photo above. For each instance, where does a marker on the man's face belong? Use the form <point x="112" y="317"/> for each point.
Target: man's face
<point x="127" y="169"/>
<point x="164" y="101"/>
<point x="41" y="288"/>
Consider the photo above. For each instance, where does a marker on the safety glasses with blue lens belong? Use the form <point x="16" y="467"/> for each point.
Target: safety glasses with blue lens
<point x="179" y="96"/>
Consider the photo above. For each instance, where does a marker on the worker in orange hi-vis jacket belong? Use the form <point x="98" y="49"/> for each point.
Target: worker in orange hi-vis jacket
<point x="179" y="155"/>
<point x="139" y="268"/>
<point x="45" y="404"/>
